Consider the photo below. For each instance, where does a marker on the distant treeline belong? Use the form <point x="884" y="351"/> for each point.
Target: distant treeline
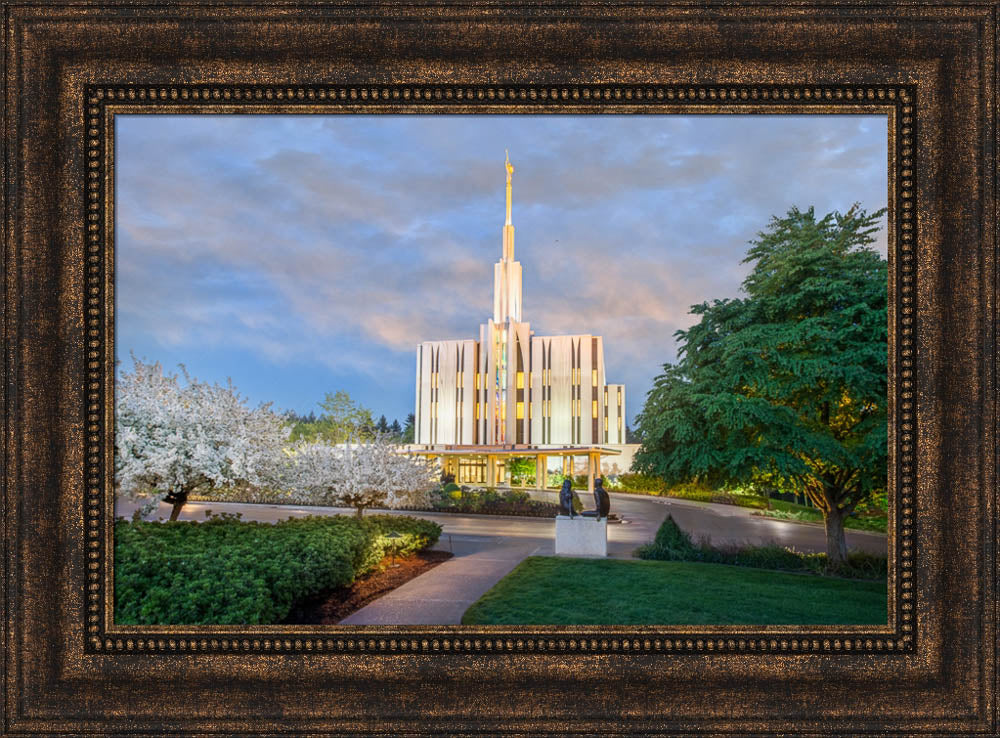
<point x="342" y="419"/>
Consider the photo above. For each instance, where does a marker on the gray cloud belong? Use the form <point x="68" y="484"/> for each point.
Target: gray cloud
<point x="339" y="242"/>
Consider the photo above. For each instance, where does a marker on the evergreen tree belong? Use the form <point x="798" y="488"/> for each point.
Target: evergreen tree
<point x="409" y="430"/>
<point x="785" y="387"/>
<point x="382" y="426"/>
<point x="396" y="430"/>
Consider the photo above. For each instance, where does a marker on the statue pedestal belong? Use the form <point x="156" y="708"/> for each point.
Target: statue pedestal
<point x="580" y="536"/>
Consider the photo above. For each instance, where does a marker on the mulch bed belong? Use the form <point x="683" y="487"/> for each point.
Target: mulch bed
<point x="329" y="608"/>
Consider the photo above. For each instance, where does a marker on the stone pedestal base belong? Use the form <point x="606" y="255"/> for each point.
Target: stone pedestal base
<point x="581" y="536"/>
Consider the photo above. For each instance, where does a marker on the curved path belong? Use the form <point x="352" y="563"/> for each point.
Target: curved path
<point x="488" y="547"/>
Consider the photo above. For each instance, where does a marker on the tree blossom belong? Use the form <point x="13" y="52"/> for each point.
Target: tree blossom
<point x="174" y="439"/>
<point x="373" y="473"/>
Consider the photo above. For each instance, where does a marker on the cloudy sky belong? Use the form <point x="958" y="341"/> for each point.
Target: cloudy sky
<point x="300" y="255"/>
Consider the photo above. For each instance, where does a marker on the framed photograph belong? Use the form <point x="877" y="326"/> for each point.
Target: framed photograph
<point x="708" y="448"/>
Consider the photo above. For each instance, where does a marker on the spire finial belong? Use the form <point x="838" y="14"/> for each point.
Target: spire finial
<point x="510" y="171"/>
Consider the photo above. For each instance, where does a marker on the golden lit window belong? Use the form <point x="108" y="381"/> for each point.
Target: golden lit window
<point x="520" y="380"/>
<point x="595" y="408"/>
<point x="520" y="411"/>
<point x="593" y="377"/>
<point x="477" y="412"/>
<point x="605" y="425"/>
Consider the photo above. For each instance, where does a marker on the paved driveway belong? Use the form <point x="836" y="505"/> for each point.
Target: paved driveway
<point x="488" y="547"/>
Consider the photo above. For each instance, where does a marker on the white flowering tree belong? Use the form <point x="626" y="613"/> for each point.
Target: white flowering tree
<point x="372" y="473"/>
<point x="173" y="439"/>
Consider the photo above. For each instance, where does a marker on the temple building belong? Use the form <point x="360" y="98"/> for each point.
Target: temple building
<point x="513" y="393"/>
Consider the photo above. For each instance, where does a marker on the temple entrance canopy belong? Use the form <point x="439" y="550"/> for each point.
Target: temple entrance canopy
<point x="490" y="465"/>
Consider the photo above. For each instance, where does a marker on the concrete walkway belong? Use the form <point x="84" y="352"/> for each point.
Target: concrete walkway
<point x="441" y="595"/>
<point x="488" y="547"/>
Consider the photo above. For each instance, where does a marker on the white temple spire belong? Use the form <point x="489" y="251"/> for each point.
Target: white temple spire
<point x="507" y="272"/>
<point x="510" y="171"/>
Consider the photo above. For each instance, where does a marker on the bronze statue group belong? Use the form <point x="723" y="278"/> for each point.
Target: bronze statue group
<point x="602" y="502"/>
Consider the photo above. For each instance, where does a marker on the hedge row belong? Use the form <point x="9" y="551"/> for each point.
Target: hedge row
<point x="226" y="571"/>
<point x="673" y="544"/>
<point x="491" y="501"/>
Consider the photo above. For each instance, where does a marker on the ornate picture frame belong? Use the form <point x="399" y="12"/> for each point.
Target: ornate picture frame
<point x="69" y="69"/>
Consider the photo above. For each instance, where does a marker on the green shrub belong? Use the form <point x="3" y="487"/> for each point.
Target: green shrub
<point x="674" y="544"/>
<point x="227" y="571"/>
<point x="491" y="501"/>
<point x="642" y="483"/>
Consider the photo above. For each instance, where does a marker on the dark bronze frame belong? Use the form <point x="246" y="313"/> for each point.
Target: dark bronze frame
<point x="68" y="69"/>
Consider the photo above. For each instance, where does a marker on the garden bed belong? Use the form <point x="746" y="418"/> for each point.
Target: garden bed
<point x="332" y="606"/>
<point x="674" y="544"/>
<point x="226" y="571"/>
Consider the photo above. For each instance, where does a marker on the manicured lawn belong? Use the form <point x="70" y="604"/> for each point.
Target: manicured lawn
<point x="769" y="508"/>
<point x="549" y="590"/>
<point x="790" y="511"/>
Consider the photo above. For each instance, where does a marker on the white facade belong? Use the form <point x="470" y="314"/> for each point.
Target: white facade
<point x="512" y="387"/>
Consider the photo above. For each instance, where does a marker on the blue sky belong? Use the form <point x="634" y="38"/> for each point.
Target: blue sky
<point x="299" y="255"/>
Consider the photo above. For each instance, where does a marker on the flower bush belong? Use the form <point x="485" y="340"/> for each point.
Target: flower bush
<point x="176" y="438"/>
<point x="372" y="473"/>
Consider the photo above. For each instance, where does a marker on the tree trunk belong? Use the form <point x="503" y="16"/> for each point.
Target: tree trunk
<point x="176" y="510"/>
<point x="836" y="541"/>
<point x="359" y="512"/>
<point x="177" y="499"/>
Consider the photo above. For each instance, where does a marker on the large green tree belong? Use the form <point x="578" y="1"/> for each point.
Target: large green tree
<point x="786" y="386"/>
<point x="342" y="420"/>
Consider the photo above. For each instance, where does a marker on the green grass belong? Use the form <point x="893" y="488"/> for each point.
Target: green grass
<point x="781" y="510"/>
<point x="548" y="590"/>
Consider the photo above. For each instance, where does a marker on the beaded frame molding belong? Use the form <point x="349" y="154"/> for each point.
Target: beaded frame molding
<point x="70" y="66"/>
<point x="104" y="102"/>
